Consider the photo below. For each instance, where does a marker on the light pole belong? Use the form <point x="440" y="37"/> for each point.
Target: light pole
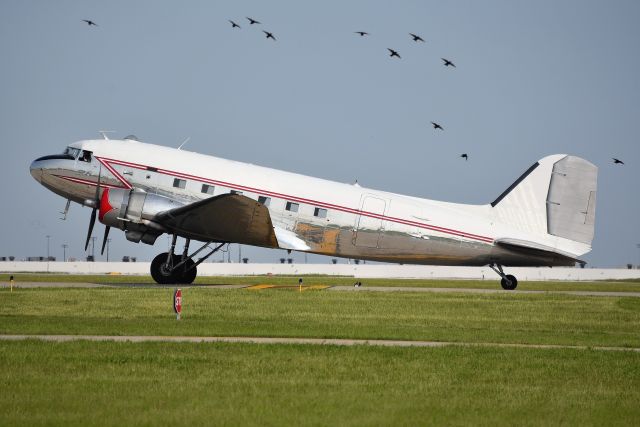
<point x="108" y="241"/>
<point x="93" y="248"/>
<point x="48" y="237"/>
<point x="239" y="253"/>
<point x="638" y="246"/>
<point x="64" y="252"/>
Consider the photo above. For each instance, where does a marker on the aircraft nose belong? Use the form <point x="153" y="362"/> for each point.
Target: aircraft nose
<point x="36" y="170"/>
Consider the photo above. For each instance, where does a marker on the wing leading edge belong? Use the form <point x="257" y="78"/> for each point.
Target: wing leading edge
<point x="224" y="218"/>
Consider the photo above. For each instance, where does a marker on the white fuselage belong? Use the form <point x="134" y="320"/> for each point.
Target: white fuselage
<point x="308" y="214"/>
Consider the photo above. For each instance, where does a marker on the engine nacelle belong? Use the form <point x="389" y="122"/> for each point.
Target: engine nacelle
<point x="133" y="211"/>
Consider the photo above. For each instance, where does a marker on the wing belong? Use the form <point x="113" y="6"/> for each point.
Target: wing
<point x="224" y="218"/>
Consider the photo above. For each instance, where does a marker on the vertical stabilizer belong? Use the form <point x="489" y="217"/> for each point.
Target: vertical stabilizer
<point x="556" y="196"/>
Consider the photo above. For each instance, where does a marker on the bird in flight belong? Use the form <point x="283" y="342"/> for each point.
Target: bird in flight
<point x="437" y="126"/>
<point x="393" y="53"/>
<point x="90" y="22"/>
<point x="362" y="33"/>
<point x="253" y="21"/>
<point x="234" y="25"/>
<point x="269" y="35"/>
<point x="448" y="63"/>
<point x="464" y="156"/>
<point x="617" y="161"/>
<point x="416" y="38"/>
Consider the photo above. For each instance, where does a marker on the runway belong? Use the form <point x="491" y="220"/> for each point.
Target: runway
<point x="337" y="288"/>
<point x="300" y="341"/>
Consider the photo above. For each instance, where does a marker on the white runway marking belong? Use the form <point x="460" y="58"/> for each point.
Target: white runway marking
<point x="307" y="341"/>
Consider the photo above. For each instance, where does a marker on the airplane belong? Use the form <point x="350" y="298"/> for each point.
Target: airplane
<point x="545" y="218"/>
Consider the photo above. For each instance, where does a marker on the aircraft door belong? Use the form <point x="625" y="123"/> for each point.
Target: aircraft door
<point x="369" y="226"/>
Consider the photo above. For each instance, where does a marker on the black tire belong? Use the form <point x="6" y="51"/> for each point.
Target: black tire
<point x="159" y="273"/>
<point x="186" y="274"/>
<point x="510" y="283"/>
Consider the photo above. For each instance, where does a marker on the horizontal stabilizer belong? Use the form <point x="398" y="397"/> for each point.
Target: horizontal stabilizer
<point x="535" y="249"/>
<point x="224" y="218"/>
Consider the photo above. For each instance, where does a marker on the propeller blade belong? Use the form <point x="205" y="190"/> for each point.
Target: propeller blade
<point x="97" y="198"/>
<point x="91" y="223"/>
<point x="104" y="239"/>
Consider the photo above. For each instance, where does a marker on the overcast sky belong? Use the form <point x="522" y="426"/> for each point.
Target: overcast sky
<point x="533" y="78"/>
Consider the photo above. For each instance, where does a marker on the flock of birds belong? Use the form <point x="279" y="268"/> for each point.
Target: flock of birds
<point x="392" y="53"/>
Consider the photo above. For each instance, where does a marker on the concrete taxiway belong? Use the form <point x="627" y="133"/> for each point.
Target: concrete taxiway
<point x="304" y="341"/>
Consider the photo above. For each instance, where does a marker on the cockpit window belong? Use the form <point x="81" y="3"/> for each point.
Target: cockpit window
<point x="85" y="156"/>
<point x="73" y="152"/>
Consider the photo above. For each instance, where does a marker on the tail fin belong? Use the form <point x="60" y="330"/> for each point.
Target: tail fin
<point x="556" y="196"/>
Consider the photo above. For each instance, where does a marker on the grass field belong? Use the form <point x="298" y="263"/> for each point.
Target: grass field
<point x="508" y="318"/>
<point x="102" y="383"/>
<point x="117" y="384"/>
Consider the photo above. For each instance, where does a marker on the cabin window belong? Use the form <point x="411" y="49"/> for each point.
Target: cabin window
<point x="264" y="200"/>
<point x="320" y="213"/>
<point x="207" y="189"/>
<point x="85" y="156"/>
<point x="292" y="207"/>
<point x="179" y="183"/>
<point x="236" y="192"/>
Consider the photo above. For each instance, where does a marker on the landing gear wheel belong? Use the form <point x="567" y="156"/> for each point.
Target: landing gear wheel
<point x="159" y="271"/>
<point x="187" y="273"/>
<point x="509" y="282"/>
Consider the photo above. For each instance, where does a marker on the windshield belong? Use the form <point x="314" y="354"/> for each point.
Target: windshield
<point x="73" y="152"/>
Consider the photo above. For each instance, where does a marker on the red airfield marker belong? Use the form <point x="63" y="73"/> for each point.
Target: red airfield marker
<point x="177" y="302"/>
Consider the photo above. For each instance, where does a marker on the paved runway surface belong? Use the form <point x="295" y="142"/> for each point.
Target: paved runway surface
<point x="481" y="291"/>
<point x="307" y="341"/>
<point x="329" y="288"/>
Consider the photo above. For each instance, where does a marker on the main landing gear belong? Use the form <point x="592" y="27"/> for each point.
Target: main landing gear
<point x="169" y="268"/>
<point x="509" y="281"/>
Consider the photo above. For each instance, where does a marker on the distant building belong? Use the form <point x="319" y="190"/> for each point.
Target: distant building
<point x="40" y="258"/>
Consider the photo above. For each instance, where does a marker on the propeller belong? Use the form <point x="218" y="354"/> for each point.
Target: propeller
<point x="104" y="239"/>
<point x="96" y="204"/>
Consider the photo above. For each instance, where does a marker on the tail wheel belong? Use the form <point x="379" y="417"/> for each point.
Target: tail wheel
<point x="509" y="282"/>
<point x="187" y="273"/>
<point x="159" y="271"/>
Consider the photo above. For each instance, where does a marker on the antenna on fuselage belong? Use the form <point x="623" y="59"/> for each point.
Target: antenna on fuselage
<point x="184" y="142"/>
<point x="105" y="132"/>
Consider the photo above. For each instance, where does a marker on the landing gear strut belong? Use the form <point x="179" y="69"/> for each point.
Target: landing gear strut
<point x="509" y="281"/>
<point x="168" y="267"/>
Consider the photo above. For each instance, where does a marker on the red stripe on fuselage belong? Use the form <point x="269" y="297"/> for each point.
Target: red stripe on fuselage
<point x="86" y="182"/>
<point x="115" y="173"/>
<point x="106" y="162"/>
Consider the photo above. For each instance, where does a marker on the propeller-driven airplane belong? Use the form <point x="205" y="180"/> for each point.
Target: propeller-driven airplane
<point x="545" y="218"/>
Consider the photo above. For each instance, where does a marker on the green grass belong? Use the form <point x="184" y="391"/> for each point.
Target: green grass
<point x="106" y="383"/>
<point x="630" y="285"/>
<point x="505" y="317"/>
<point x="114" y="384"/>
